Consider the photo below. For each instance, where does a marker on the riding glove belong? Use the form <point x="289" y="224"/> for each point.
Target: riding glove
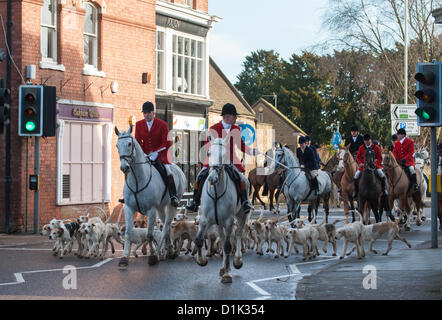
<point x="153" y="156"/>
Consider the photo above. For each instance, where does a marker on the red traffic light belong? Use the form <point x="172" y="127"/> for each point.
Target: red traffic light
<point x="425" y="78"/>
<point x="30" y="98"/>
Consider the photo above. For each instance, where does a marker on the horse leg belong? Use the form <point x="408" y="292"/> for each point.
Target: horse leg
<point x="326" y="207"/>
<point x="170" y="214"/>
<point x="152" y="259"/>
<point x="259" y="198"/>
<point x="199" y="240"/>
<point x="227" y="250"/>
<point x="271" y="195"/>
<point x="237" y="260"/>
<point x="129" y="219"/>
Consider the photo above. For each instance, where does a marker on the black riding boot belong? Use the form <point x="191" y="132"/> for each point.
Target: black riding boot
<point x="195" y="203"/>
<point x="245" y="203"/>
<point x="414" y="184"/>
<point x="172" y="191"/>
<point x="316" y="184"/>
<point x="356" y="189"/>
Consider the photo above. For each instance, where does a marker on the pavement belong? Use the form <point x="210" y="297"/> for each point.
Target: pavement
<point x="406" y="274"/>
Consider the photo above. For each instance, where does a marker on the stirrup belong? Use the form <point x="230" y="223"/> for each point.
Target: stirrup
<point x="174" y="201"/>
<point x="121" y="200"/>
<point x="246" y="206"/>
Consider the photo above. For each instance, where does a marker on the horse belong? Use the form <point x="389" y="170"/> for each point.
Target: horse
<point x="370" y="188"/>
<point x="349" y="166"/>
<point x="220" y="205"/>
<point x="399" y="186"/>
<point x="144" y="191"/>
<point x="422" y="158"/>
<point x="296" y="185"/>
<point x="330" y="167"/>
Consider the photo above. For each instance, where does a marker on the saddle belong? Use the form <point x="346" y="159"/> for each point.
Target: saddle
<point x="234" y="175"/>
<point x="313" y="182"/>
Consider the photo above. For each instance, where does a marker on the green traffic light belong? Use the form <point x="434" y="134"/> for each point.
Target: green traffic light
<point x="30" y="126"/>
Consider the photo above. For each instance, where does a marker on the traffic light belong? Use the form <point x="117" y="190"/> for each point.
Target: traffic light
<point x="4" y="108"/>
<point x="30" y="112"/>
<point x="428" y="94"/>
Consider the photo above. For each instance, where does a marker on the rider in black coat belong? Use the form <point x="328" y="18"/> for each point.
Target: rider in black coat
<point x="355" y="141"/>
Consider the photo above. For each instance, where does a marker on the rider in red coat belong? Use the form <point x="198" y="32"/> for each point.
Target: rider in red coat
<point x="360" y="159"/>
<point x="221" y="130"/>
<point x="403" y="152"/>
<point x="152" y="135"/>
<point x="218" y="131"/>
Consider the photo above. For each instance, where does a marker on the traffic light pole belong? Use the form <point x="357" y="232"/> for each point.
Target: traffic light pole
<point x="37" y="192"/>
<point x="434" y="191"/>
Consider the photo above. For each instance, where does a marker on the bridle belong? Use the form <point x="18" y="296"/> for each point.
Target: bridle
<point x="369" y="163"/>
<point x="130" y="160"/>
<point x="220" y="169"/>
<point x="388" y="167"/>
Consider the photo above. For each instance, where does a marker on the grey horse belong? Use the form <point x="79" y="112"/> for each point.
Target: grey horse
<point x="220" y="204"/>
<point x="296" y="185"/>
<point x="144" y="191"/>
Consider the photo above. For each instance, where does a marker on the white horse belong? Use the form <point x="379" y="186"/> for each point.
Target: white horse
<point x="421" y="159"/>
<point x="145" y="192"/>
<point x="296" y="186"/>
<point x="220" y="204"/>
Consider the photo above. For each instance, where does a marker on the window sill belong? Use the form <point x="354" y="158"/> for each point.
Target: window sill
<point x="52" y="66"/>
<point x="89" y="70"/>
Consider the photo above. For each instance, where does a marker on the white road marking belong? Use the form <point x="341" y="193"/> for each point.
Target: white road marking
<point x="20" y="279"/>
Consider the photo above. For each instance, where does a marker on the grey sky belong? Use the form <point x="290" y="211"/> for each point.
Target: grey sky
<point x="286" y="26"/>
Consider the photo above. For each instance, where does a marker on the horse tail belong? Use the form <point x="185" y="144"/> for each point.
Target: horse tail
<point x="250" y="189"/>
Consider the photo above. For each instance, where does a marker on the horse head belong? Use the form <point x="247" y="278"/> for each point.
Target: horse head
<point x="217" y="157"/>
<point x="127" y="150"/>
<point x="343" y="157"/>
<point x="370" y="159"/>
<point x="388" y="160"/>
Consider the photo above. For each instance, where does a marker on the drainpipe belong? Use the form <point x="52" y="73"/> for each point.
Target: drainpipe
<point x="8" y="127"/>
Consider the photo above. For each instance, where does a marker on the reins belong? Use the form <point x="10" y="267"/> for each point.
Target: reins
<point x="220" y="170"/>
<point x="130" y="160"/>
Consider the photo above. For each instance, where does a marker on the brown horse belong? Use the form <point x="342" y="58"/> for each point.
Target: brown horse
<point x="336" y="175"/>
<point x="350" y="166"/>
<point x="274" y="180"/>
<point x="399" y="186"/>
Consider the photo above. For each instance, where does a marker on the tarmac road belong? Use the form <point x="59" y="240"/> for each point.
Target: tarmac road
<point x="29" y="271"/>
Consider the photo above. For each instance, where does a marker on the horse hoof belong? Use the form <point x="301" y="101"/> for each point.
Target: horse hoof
<point x="202" y="263"/>
<point x="171" y="256"/>
<point x="152" y="260"/>
<point x="237" y="263"/>
<point x="227" y="278"/>
<point x="222" y="271"/>
<point x="124" y="262"/>
<point x="424" y="218"/>
<point x="407" y="228"/>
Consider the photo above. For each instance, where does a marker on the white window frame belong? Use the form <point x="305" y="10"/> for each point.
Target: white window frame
<point x="169" y="80"/>
<point x="94" y="63"/>
<point x="106" y="197"/>
<point x="160" y="69"/>
<point x="190" y="3"/>
<point x="43" y="26"/>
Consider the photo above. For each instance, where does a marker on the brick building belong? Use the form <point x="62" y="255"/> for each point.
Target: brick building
<point x="106" y="58"/>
